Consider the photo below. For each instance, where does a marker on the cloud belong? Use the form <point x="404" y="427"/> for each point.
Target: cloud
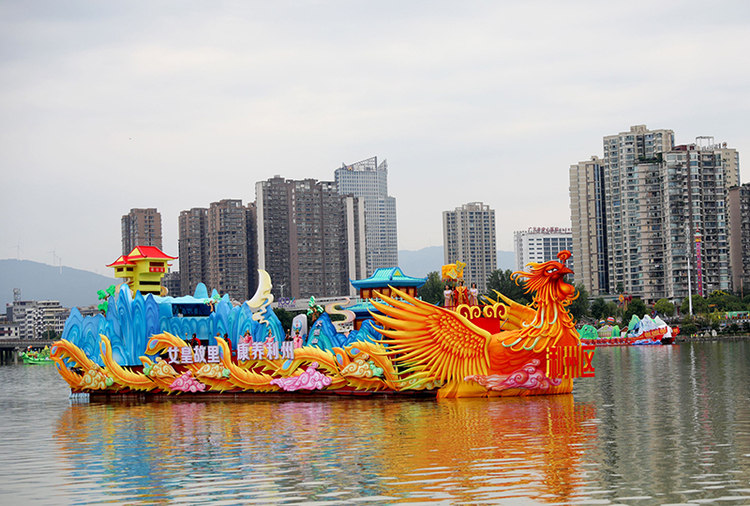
<point x="105" y="107"/>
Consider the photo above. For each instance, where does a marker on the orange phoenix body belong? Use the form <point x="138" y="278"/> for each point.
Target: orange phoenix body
<point x="504" y="349"/>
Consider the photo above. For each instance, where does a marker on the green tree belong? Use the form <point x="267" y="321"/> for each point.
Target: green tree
<point x="285" y="317"/>
<point x="598" y="309"/>
<point x="432" y="290"/>
<point x="50" y="335"/>
<point x="700" y="305"/>
<point x="580" y="307"/>
<point x="688" y="329"/>
<point x="737" y="305"/>
<point x="664" y="307"/>
<point x="502" y="282"/>
<point x="636" y="307"/>
<point x="721" y="301"/>
<point x="612" y="309"/>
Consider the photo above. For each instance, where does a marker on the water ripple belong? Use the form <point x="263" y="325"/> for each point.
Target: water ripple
<point x="664" y="425"/>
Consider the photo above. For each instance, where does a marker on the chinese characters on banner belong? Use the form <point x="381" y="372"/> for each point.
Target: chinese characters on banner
<point x="550" y="230"/>
<point x="210" y="354"/>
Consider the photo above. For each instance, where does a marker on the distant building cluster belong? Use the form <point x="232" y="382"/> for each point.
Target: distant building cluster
<point x="311" y="236"/>
<point x="30" y="319"/>
<point x="648" y="214"/>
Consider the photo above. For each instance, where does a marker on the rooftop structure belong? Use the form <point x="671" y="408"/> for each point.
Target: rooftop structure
<point x="142" y="269"/>
<point x="382" y="280"/>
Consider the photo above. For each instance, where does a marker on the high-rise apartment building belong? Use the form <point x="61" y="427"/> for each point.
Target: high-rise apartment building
<point x="227" y="248"/>
<point x="542" y="244"/>
<point x="140" y="227"/>
<point x="310" y="239"/>
<point x="252" y="248"/>
<point x="589" y="233"/>
<point x="694" y="196"/>
<point x="738" y="208"/>
<point x="656" y="196"/>
<point x="469" y="236"/>
<point x="622" y="200"/>
<point x="215" y="249"/>
<point x="193" y="247"/>
<point x="368" y="181"/>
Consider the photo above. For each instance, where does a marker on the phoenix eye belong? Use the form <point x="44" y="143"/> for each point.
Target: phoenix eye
<point x="551" y="270"/>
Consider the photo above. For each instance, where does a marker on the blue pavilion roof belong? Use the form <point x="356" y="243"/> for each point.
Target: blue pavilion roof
<point x="386" y="276"/>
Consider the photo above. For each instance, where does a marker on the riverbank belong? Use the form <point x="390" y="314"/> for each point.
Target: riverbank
<point x="700" y="339"/>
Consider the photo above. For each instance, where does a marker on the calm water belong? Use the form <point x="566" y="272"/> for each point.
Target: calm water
<point x="658" y="425"/>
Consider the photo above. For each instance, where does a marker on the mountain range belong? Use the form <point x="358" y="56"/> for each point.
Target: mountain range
<point x="77" y="288"/>
<point x="38" y="281"/>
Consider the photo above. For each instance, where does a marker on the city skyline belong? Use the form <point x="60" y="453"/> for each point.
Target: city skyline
<point x="111" y="107"/>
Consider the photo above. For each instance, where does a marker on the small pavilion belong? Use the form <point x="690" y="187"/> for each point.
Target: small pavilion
<point x="381" y="281"/>
<point x="142" y="269"/>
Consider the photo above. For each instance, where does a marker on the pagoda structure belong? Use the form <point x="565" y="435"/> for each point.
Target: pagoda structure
<point x="381" y="281"/>
<point x="142" y="269"/>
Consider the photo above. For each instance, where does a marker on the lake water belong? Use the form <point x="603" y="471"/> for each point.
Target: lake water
<point x="658" y="425"/>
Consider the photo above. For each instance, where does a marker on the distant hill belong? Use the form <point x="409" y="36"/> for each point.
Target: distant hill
<point x="421" y="262"/>
<point x="506" y="260"/>
<point x="37" y="281"/>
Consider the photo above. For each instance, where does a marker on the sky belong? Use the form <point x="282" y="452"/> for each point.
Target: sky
<point x="108" y="106"/>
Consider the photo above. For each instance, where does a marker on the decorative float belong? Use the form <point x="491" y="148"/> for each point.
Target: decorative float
<point x="31" y="356"/>
<point x="640" y="331"/>
<point x="156" y="345"/>
<point x="649" y="331"/>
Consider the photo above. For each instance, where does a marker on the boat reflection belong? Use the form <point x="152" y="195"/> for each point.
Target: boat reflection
<point x="330" y="449"/>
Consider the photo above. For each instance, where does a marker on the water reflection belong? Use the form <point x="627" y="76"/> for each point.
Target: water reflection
<point x="329" y="449"/>
<point x="658" y="425"/>
<point x="675" y="423"/>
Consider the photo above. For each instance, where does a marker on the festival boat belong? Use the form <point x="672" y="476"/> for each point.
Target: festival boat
<point x="640" y="332"/>
<point x="151" y="345"/>
<point x="36" y="357"/>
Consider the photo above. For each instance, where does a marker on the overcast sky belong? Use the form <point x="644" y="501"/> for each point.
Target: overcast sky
<point x="107" y="106"/>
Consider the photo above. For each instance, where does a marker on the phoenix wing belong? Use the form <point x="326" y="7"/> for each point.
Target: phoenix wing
<point x="431" y="341"/>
